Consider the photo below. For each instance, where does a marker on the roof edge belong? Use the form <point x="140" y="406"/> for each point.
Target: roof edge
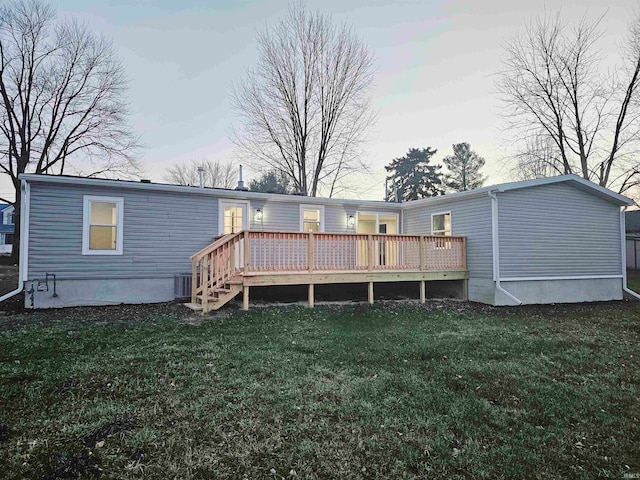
<point x="215" y="192"/>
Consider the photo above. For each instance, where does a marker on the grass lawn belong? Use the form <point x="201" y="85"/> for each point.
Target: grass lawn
<point x="445" y="390"/>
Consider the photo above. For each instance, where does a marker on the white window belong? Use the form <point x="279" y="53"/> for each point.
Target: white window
<point x="102" y="225"/>
<point x="441" y="223"/>
<point x="233" y="219"/>
<point x="312" y="218"/>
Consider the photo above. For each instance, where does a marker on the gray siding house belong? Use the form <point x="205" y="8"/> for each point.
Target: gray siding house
<point x="102" y="242"/>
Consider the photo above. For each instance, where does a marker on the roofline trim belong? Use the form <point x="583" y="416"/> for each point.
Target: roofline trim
<point x="276" y="197"/>
<point x="214" y="192"/>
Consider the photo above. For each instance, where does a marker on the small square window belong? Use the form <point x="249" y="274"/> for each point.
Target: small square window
<point x="102" y="225"/>
<point x="312" y="218"/>
<point x="441" y="224"/>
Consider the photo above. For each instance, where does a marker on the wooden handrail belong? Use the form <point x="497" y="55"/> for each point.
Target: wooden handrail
<point x="220" y="241"/>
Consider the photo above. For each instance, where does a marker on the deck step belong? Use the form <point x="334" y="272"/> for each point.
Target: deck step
<point x="209" y="298"/>
<point x="221" y="290"/>
<point x="196" y="307"/>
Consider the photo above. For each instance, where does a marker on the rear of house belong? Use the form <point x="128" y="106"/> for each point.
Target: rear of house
<point x="98" y="242"/>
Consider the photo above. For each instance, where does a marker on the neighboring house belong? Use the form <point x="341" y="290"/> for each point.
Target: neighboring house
<point x="93" y="242"/>
<point x="632" y="223"/>
<point x="7" y="227"/>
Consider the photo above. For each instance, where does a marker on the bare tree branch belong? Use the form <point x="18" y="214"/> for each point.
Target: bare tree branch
<point x="62" y="92"/>
<point x="305" y="108"/>
<point x="214" y="174"/>
<point x="564" y="114"/>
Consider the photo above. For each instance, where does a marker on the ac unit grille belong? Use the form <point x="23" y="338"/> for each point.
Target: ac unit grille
<point x="182" y="285"/>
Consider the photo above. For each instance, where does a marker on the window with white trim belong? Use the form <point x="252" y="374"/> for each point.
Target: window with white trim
<point x="312" y="218"/>
<point x="441" y="224"/>
<point x="102" y="225"/>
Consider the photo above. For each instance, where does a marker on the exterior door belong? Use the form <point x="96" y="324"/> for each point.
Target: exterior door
<point x="234" y="217"/>
<point x="386" y="253"/>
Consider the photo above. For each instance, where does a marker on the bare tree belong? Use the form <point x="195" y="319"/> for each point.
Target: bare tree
<point x="305" y="108"/>
<point x="62" y="93"/>
<point x="556" y="95"/>
<point x="538" y="159"/>
<point x="214" y="174"/>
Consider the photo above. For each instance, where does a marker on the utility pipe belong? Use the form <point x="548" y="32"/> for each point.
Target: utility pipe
<point x="495" y="237"/>
<point x="623" y="255"/>
<point x="24" y="222"/>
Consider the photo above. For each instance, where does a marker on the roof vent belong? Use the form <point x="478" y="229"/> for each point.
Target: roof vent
<point x="240" y="182"/>
<point x="145" y="180"/>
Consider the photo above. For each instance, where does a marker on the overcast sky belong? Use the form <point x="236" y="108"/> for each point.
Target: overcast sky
<point x="434" y="86"/>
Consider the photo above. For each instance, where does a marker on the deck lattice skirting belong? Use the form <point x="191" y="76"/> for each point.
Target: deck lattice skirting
<point x="235" y="262"/>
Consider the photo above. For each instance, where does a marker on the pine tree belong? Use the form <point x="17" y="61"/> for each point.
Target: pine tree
<point x="412" y="177"/>
<point x="271" y="182"/>
<point x="464" y="165"/>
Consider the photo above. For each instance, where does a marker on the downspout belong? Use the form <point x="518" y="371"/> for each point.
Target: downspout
<point x="495" y="236"/>
<point x="24" y="225"/>
<point x="623" y="254"/>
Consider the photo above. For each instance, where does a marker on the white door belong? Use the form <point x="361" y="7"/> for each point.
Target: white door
<point x="234" y="217"/>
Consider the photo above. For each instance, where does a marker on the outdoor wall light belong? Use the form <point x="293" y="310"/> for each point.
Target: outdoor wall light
<point x="259" y="215"/>
<point x="351" y="221"/>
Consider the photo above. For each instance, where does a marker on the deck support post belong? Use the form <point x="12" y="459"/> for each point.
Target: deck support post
<point x="311" y="295"/>
<point x="423" y="293"/>
<point x="245" y="298"/>
<point x="206" y="280"/>
<point x="310" y="252"/>
<point x="371" y="293"/>
<point x="194" y="280"/>
<point x="247" y="251"/>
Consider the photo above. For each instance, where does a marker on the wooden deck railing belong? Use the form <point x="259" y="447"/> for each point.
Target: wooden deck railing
<point x="290" y="252"/>
<point x="296" y="252"/>
<point x="284" y="252"/>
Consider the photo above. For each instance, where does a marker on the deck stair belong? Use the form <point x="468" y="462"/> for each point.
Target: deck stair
<point x="216" y="274"/>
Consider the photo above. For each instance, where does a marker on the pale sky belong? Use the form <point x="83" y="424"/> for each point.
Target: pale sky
<point x="435" y="63"/>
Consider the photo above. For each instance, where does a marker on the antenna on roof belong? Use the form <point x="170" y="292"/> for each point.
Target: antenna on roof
<point x="200" y="175"/>
<point x="240" y="182"/>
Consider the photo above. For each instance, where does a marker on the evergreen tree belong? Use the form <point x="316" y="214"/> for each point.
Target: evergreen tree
<point x="464" y="165"/>
<point x="271" y="182"/>
<point x="412" y="177"/>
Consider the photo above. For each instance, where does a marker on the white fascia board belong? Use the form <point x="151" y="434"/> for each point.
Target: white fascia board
<point x="213" y="192"/>
<point x="577" y="182"/>
<point x="276" y="197"/>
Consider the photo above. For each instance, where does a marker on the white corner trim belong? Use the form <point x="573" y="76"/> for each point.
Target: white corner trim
<point x="25" y="206"/>
<point x="495" y="238"/>
<point x="24" y="240"/>
<point x="623" y="255"/>
<point x="310" y="206"/>
<point x="87" y="200"/>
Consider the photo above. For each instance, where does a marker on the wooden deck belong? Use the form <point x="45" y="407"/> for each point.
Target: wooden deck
<point x="236" y="262"/>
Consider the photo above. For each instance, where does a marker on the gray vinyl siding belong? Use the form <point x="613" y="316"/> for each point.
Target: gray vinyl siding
<point x="281" y="216"/>
<point x="161" y="231"/>
<point x="557" y="230"/>
<point x="285" y="216"/>
<point x="470" y="218"/>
